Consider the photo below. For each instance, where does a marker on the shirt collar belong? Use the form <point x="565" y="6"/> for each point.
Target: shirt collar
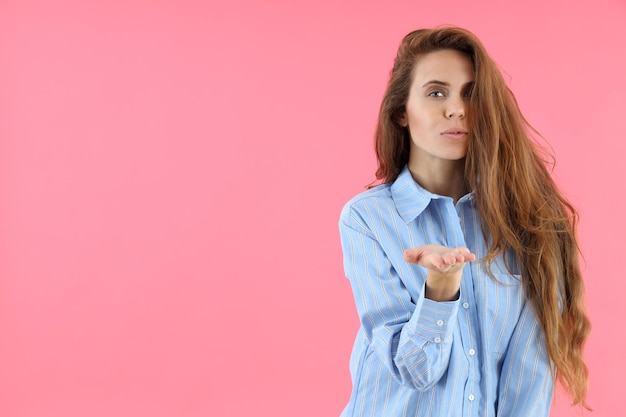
<point x="410" y="198"/>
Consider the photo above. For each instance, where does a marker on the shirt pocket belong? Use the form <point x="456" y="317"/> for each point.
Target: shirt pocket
<point x="504" y="299"/>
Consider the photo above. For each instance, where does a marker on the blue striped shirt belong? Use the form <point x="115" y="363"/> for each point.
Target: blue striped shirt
<point x="481" y="355"/>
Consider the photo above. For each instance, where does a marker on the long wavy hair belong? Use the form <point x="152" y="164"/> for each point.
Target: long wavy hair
<point x="520" y="205"/>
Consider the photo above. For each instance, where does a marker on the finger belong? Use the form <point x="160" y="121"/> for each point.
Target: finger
<point x="450" y="259"/>
<point x="441" y="266"/>
<point x="412" y="255"/>
<point x="445" y="268"/>
<point x="434" y="261"/>
<point x="467" y="255"/>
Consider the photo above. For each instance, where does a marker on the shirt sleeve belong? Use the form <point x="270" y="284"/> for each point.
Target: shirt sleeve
<point x="526" y="384"/>
<point x="412" y="337"/>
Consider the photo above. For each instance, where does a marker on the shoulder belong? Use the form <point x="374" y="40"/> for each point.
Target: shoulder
<point x="365" y="205"/>
<point x="373" y="196"/>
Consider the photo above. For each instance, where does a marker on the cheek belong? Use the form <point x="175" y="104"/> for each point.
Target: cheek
<point x="418" y="122"/>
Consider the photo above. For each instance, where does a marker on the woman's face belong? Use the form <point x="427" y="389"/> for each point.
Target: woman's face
<point x="436" y="110"/>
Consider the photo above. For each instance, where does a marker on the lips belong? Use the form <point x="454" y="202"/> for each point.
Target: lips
<point x="455" y="133"/>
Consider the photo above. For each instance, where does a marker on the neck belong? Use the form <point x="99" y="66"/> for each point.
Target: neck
<point x="442" y="178"/>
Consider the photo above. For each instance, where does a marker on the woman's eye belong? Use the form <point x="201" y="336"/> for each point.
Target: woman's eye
<point x="436" y="93"/>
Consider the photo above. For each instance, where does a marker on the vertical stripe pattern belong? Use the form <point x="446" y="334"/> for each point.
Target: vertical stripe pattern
<point x="482" y="355"/>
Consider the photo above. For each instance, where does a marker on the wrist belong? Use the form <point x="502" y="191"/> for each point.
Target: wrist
<point x="442" y="286"/>
<point x="441" y="295"/>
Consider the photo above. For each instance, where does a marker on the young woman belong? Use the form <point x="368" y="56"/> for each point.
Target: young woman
<point x="463" y="262"/>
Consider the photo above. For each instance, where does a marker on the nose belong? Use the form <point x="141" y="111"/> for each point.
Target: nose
<point x="456" y="108"/>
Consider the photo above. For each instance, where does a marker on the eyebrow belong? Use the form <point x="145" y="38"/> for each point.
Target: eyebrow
<point x="436" y="82"/>
<point x="445" y="84"/>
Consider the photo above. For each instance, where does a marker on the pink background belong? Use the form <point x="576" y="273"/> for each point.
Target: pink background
<point x="171" y="175"/>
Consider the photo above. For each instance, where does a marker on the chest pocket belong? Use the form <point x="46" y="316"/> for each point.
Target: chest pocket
<point x="504" y="300"/>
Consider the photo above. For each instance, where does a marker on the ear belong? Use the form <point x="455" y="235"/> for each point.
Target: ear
<point x="402" y="120"/>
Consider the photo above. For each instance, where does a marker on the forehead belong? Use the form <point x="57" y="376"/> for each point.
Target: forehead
<point x="446" y="65"/>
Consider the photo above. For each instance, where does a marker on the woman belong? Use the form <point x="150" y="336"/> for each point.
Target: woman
<point x="463" y="263"/>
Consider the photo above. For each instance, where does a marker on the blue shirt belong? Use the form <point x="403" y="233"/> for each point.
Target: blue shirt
<point x="481" y="355"/>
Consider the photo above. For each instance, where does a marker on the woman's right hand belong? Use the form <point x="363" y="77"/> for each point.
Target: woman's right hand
<point x="445" y="267"/>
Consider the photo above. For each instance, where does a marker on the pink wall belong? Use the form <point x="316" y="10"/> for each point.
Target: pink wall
<point x="171" y="175"/>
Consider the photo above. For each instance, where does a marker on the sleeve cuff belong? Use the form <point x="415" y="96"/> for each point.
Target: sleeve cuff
<point x="434" y="321"/>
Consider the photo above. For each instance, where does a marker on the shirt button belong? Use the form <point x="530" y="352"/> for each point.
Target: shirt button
<point x="439" y="322"/>
<point x="437" y="340"/>
<point x="466" y="305"/>
<point x="470" y="397"/>
<point x="472" y="352"/>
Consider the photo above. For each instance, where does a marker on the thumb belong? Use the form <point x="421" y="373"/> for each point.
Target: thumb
<point x="413" y="255"/>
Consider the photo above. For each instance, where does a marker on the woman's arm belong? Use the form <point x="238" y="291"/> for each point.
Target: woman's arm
<point x="412" y="337"/>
